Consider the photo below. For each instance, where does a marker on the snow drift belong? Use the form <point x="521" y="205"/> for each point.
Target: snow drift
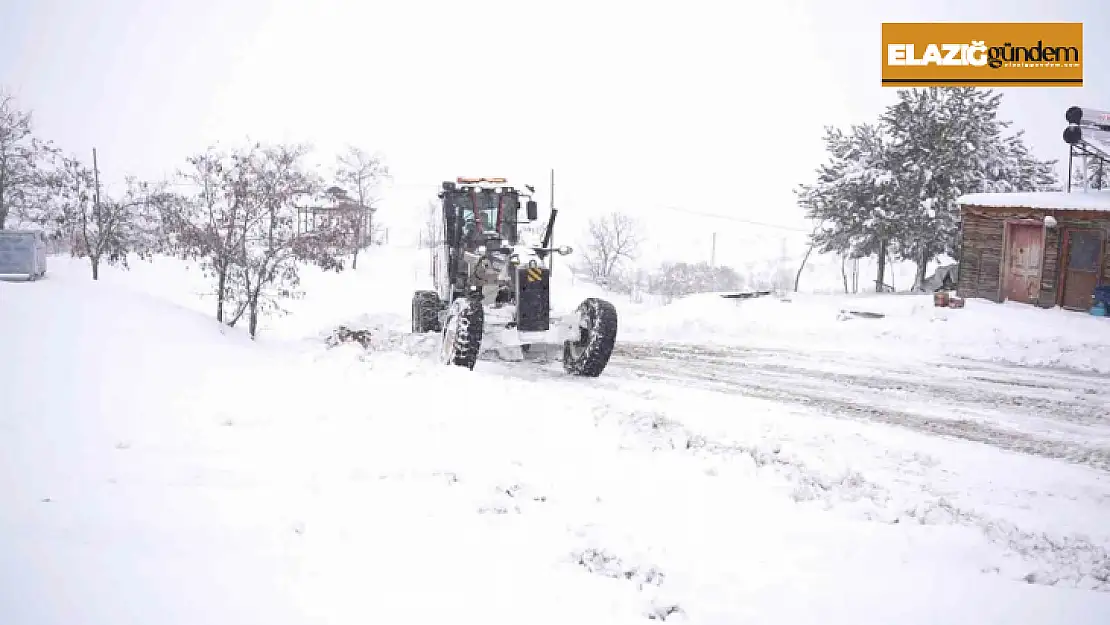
<point x="911" y="328"/>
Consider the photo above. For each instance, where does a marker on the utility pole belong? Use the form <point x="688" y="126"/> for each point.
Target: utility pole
<point x="713" y="251"/>
<point x="97" y="217"/>
<point x="96" y="181"/>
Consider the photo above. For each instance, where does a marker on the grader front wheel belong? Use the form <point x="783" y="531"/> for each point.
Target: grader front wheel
<point x="589" y="354"/>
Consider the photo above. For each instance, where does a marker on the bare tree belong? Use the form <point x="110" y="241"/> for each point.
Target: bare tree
<point x="611" y="240"/>
<point x="431" y="234"/>
<point x="360" y="174"/>
<point x="22" y="182"/>
<point x="805" y="258"/>
<point x="150" y="218"/>
<point x="211" y="224"/>
<point x="100" y="230"/>
<point x="241" y="223"/>
<point x="268" y="271"/>
<point x="71" y="193"/>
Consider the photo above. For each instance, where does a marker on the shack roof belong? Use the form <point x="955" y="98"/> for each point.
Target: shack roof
<point x="1077" y="200"/>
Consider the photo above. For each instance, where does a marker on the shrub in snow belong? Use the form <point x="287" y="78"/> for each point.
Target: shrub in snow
<point x="609" y="565"/>
<point x="343" y="334"/>
<point x="675" y="280"/>
<point x="664" y="612"/>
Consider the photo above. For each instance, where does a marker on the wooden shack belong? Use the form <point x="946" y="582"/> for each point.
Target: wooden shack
<point x="1046" y="249"/>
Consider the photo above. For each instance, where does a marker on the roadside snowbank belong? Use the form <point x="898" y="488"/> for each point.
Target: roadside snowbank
<point x="911" y="328"/>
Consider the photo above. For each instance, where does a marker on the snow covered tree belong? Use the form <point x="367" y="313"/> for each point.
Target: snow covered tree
<point x="930" y="157"/>
<point x="1097" y="174"/>
<point x="890" y="189"/>
<point x="359" y="174"/>
<point x="850" y="201"/>
<point x="1017" y="170"/>
<point x="610" y="241"/>
<point x="681" y="279"/>
<point x="943" y="143"/>
<point x="628" y="280"/>
<point x="23" y="187"/>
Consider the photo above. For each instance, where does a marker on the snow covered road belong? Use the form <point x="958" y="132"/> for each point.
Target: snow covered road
<point x="1052" y="412"/>
<point x="1020" y="457"/>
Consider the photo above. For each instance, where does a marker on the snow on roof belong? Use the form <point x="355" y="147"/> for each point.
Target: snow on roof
<point x="1077" y="200"/>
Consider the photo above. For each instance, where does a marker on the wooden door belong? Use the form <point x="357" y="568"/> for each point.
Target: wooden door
<point x="1082" y="268"/>
<point x="1022" y="277"/>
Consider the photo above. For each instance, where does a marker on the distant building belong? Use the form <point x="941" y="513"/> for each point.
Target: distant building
<point x="342" y="214"/>
<point x="1047" y="249"/>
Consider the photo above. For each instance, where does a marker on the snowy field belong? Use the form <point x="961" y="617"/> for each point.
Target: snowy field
<point x="763" y="461"/>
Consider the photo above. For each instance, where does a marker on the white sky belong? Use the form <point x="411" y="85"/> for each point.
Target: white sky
<point x="707" y="106"/>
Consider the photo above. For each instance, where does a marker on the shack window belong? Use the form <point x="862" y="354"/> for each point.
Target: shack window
<point x="1084" y="251"/>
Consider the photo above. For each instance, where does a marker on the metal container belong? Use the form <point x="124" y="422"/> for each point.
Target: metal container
<point x="23" y="253"/>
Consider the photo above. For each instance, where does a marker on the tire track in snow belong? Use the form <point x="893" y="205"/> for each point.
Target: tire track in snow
<point x="964" y="400"/>
<point x="1047" y="560"/>
<point x="1043" y="558"/>
<point x="805" y="379"/>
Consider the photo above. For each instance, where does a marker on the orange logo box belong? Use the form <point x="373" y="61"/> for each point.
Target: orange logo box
<point x="983" y="54"/>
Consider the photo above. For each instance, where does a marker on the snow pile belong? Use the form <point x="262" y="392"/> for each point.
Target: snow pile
<point x="911" y="327"/>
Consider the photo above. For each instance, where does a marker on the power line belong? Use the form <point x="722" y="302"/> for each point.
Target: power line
<point x="736" y="219"/>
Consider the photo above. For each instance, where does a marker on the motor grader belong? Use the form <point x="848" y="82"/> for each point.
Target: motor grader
<point x="493" y="288"/>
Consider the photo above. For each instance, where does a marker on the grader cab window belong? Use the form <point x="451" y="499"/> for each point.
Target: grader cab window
<point x="485" y="211"/>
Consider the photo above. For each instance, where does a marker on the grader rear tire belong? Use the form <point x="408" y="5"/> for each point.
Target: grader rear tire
<point x="462" y="333"/>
